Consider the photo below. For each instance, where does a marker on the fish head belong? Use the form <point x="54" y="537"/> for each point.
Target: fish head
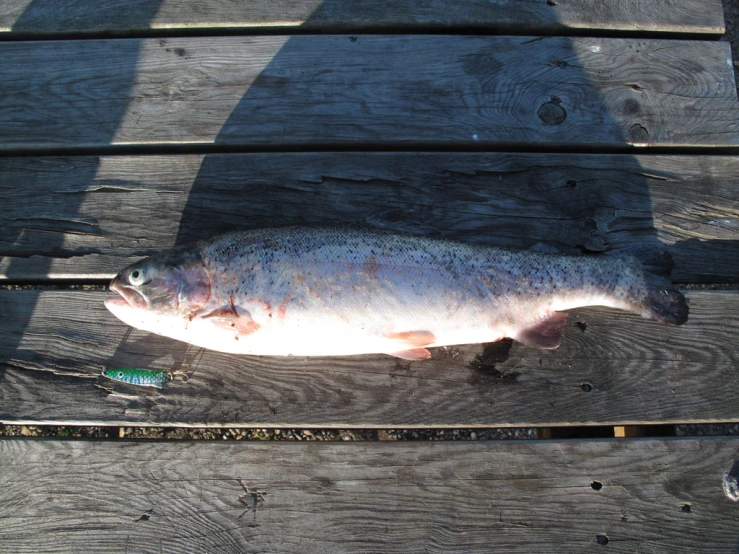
<point x="171" y="284"/>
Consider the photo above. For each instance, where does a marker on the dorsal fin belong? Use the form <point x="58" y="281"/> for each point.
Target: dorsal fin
<point x="654" y="259"/>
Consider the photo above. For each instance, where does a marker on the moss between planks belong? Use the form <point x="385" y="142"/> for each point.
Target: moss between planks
<point x="181" y="433"/>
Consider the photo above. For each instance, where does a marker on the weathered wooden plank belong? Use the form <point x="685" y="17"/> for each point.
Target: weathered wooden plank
<point x="612" y="368"/>
<point x="139" y="16"/>
<point x="368" y="90"/>
<point x="88" y="217"/>
<point x="633" y="495"/>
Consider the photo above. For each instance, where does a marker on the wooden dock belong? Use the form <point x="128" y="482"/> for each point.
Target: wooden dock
<point x="569" y="125"/>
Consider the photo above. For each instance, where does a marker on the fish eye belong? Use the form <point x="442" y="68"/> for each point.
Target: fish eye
<point x="136" y="277"/>
<point x="120" y="375"/>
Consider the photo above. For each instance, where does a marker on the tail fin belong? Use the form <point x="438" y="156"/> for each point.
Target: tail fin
<point x="665" y="303"/>
<point x="661" y="301"/>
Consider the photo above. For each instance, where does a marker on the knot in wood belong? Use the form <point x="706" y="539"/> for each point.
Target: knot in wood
<point x="638" y="134"/>
<point x="590" y="224"/>
<point x="552" y="113"/>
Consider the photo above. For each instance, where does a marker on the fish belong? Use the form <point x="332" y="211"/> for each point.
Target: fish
<point x="331" y="292"/>
<point x="141" y="377"/>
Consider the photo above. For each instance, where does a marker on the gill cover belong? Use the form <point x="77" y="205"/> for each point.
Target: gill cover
<point x="171" y="282"/>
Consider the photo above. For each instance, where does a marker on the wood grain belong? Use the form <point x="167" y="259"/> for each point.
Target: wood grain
<point x="125" y="16"/>
<point x="88" y="217"/>
<point x="613" y="368"/>
<point x="654" y="496"/>
<point x="369" y="90"/>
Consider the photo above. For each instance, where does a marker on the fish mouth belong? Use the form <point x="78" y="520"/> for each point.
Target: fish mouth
<point x="129" y="297"/>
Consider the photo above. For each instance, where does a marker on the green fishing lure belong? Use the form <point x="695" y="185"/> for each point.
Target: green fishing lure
<point x="140" y="377"/>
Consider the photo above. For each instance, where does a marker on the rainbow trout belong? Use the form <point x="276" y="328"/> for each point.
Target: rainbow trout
<point x="326" y="292"/>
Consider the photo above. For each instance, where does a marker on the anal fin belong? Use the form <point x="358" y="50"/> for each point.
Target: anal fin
<point x="545" y="334"/>
<point x="410" y="344"/>
<point x="413" y="354"/>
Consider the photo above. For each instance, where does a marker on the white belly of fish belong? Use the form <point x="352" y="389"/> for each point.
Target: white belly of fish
<point x="318" y="334"/>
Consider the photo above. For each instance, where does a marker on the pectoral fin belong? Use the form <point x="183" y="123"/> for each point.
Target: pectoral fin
<point x="545" y="334"/>
<point x="228" y="318"/>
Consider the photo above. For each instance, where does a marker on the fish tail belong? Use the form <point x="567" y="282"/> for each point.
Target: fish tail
<point x="661" y="300"/>
<point x="664" y="302"/>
